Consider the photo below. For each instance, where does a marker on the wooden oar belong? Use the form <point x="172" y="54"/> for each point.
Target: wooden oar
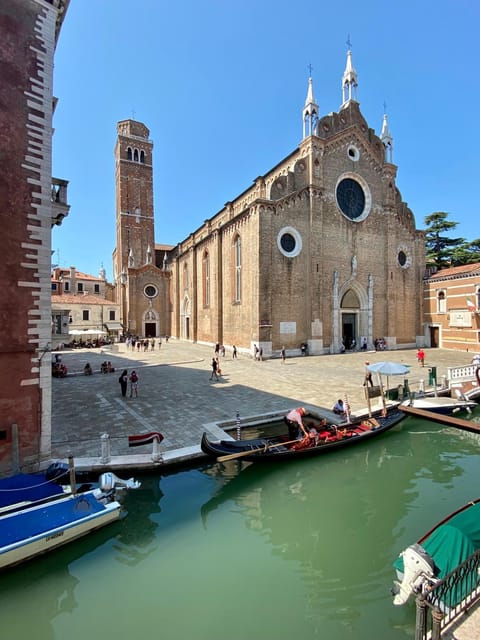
<point x="242" y="454"/>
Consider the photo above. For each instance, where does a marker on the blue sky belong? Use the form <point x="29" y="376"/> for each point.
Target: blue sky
<point x="221" y="85"/>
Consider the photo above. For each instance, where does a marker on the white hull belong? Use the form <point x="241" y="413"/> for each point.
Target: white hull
<point x="55" y="537"/>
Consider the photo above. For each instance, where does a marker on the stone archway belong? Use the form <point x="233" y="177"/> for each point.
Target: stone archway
<point x="185" y="311"/>
<point x="352" y="316"/>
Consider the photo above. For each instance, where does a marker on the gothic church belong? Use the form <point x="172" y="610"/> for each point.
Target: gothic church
<point x="321" y="250"/>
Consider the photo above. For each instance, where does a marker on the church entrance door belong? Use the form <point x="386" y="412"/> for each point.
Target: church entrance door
<point x="349" y="330"/>
<point x="150" y="329"/>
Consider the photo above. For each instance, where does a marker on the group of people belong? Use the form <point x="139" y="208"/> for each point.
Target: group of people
<point x="143" y="344"/>
<point x="124" y="379"/>
<point x="107" y="367"/>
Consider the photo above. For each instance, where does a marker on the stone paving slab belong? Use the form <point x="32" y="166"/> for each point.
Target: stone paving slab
<point x="177" y="398"/>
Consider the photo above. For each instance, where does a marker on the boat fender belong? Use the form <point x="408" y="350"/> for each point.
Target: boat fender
<point x="58" y="471"/>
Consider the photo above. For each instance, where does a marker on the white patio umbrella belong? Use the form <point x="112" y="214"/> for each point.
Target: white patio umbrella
<point x="388" y="368"/>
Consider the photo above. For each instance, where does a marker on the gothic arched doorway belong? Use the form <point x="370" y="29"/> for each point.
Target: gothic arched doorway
<point x="349" y="309"/>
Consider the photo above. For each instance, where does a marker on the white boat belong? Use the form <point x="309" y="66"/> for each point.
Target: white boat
<point x="445" y="406"/>
<point x="30" y="528"/>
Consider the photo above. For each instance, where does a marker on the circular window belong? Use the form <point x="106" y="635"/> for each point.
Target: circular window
<point x="403" y="258"/>
<point x="289" y="242"/>
<point x="353" y="153"/>
<point x="353" y="197"/>
<point x="150" y="291"/>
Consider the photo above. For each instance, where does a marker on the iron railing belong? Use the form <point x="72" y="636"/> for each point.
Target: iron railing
<point x="445" y="601"/>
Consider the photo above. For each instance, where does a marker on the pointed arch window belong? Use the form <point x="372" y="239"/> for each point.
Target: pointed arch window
<point x="237" y="269"/>
<point x="129" y="153"/>
<point x="142" y="157"/>
<point x="135" y="155"/>
<point x="206" y="279"/>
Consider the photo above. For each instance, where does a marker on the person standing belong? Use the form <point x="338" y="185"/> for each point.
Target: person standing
<point x="123" y="380"/>
<point x="234" y="352"/>
<point x="296" y="428"/>
<point x="283" y="355"/>
<point x="421" y="357"/>
<point x="134" y="384"/>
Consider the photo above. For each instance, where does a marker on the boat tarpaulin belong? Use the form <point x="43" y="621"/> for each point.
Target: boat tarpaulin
<point x="453" y="542"/>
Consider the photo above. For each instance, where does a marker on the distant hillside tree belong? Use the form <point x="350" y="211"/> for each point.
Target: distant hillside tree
<point x="441" y="250"/>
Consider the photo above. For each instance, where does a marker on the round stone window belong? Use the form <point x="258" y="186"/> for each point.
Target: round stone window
<point x="289" y="242"/>
<point x="403" y="257"/>
<point x="353" y="197"/>
<point x="150" y="291"/>
<point x="353" y="153"/>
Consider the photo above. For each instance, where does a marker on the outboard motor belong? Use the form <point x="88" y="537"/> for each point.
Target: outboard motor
<point x="109" y="481"/>
<point x="418" y="570"/>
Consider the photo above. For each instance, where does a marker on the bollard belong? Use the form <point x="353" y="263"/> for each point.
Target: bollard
<point x="156" y="453"/>
<point x="239" y="430"/>
<point x="105" y="444"/>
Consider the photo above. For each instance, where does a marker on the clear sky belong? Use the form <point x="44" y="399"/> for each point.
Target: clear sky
<point x="221" y="85"/>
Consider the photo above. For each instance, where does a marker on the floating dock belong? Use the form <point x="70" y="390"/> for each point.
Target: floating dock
<point x="451" y="421"/>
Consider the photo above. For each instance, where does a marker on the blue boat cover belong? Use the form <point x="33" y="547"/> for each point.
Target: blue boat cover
<point x="26" y="487"/>
<point x="26" y="524"/>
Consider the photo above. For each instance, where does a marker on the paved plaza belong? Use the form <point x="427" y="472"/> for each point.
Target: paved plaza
<point x="177" y="398"/>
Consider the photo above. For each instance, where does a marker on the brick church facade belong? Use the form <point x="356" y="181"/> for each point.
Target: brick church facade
<point x="321" y="250"/>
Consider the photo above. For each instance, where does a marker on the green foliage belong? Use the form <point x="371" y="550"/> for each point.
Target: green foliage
<point x="443" y="251"/>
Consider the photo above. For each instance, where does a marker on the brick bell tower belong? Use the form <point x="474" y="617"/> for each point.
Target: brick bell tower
<point x="135" y="246"/>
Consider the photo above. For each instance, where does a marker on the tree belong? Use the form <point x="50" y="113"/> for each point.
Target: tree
<point x="440" y="248"/>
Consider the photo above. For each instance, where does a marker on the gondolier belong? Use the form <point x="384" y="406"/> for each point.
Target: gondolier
<point x="296" y="428"/>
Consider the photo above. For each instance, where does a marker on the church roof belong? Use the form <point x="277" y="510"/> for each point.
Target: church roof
<point x="81" y="298"/>
<point x="464" y="270"/>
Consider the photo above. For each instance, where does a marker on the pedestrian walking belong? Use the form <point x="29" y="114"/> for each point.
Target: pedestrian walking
<point x="260" y="354"/>
<point x="421" y="357"/>
<point x="283" y="355"/>
<point x="123" y="380"/>
<point x="214" y="369"/>
<point x="134" y="384"/>
<point x="234" y="352"/>
<point x="368" y="375"/>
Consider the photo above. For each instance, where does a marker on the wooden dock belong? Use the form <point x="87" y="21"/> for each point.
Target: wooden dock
<point x="451" y="421"/>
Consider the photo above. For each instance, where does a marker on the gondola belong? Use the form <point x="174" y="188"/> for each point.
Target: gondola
<point x="326" y="439"/>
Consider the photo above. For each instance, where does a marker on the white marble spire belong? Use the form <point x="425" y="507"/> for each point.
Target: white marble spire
<point x="310" y="111"/>
<point x="349" y="80"/>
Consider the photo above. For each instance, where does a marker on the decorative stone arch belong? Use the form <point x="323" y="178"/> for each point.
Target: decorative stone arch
<point x="352" y="314"/>
<point x="185" y="314"/>
<point x="151" y="323"/>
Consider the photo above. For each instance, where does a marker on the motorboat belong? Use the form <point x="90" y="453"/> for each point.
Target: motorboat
<point x="440" y="404"/>
<point x="437" y="553"/>
<point x="43" y="515"/>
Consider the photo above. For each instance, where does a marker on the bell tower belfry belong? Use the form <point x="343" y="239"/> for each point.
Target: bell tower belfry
<point x="134" y="196"/>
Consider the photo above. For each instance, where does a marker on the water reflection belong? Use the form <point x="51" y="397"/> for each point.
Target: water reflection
<point x="137" y="537"/>
<point x="343" y="518"/>
<point x="256" y="551"/>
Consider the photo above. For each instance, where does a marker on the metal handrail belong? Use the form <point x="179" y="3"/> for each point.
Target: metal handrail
<point x="448" y="598"/>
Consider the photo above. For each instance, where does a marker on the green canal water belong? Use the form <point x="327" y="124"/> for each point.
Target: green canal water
<point x="242" y="551"/>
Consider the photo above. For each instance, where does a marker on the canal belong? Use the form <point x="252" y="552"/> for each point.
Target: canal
<point x="242" y="551"/>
